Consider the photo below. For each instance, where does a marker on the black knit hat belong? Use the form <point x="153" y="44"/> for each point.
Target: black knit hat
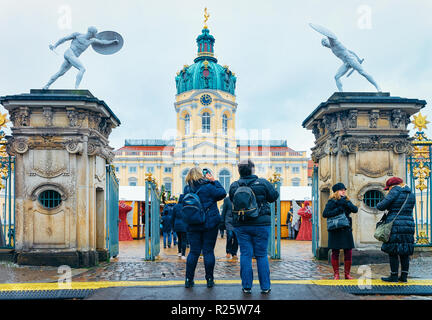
<point x="338" y="186"/>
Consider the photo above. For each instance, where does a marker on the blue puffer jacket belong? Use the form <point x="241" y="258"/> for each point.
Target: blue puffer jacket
<point x="210" y="193"/>
<point x="179" y="224"/>
<point x="401" y="240"/>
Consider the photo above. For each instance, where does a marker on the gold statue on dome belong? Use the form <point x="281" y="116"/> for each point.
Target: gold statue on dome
<point x="206" y="17"/>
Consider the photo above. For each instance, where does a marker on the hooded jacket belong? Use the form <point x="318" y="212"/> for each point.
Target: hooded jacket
<point x="265" y="193"/>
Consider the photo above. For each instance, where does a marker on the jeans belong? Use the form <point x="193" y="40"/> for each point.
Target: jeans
<point x="174" y="235"/>
<point x="165" y="236"/>
<point x="204" y="241"/>
<point x="232" y="243"/>
<point x="182" y="241"/>
<point x="253" y="241"/>
<point x="394" y="263"/>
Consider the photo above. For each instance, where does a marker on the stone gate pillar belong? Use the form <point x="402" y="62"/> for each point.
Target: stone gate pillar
<point x="60" y="141"/>
<point x="361" y="141"/>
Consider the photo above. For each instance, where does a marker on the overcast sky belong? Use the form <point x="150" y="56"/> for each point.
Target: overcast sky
<point x="282" y="70"/>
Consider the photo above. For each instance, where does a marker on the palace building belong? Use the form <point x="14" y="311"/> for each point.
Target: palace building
<point x="206" y="107"/>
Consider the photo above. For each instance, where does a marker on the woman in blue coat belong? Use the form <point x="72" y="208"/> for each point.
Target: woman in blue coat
<point x="202" y="237"/>
<point x="401" y="243"/>
<point x="180" y="227"/>
<point x="166" y="221"/>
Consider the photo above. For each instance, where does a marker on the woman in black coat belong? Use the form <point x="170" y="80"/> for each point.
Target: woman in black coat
<point x="340" y="238"/>
<point x="401" y="242"/>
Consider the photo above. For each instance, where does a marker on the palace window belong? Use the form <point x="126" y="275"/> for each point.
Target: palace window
<point x="372" y="197"/>
<point x="150" y="169"/>
<point x="168" y="185"/>
<point x="295" y="169"/>
<point x="225" y="124"/>
<point x="187" y="124"/>
<point x="168" y="170"/>
<point x="132" y="182"/>
<point x="184" y="174"/>
<point x="225" y="179"/>
<point x="278" y="169"/>
<point x="295" y="182"/>
<point x="206" y="122"/>
<point x="132" y="169"/>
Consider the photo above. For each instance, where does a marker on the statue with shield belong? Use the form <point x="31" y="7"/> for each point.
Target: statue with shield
<point x="107" y="42"/>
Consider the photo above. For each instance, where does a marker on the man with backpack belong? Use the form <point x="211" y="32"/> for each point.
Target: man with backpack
<point x="251" y="196"/>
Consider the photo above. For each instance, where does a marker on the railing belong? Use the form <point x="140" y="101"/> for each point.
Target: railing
<point x="418" y="169"/>
<point x="152" y="219"/>
<point x="274" y="246"/>
<point x="315" y="212"/>
<point x="7" y="218"/>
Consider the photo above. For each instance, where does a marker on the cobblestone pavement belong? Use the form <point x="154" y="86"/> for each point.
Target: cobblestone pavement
<point x="297" y="263"/>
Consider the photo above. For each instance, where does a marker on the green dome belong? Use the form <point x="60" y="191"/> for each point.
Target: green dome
<point x="205" y="73"/>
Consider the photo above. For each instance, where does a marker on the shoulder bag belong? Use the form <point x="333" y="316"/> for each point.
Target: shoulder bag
<point x="337" y="222"/>
<point x="383" y="229"/>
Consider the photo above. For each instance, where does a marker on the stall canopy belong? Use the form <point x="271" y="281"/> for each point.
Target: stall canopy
<point x="288" y="193"/>
<point x="132" y="193"/>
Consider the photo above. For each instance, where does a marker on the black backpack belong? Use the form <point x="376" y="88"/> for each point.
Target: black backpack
<point x="244" y="203"/>
<point x="193" y="211"/>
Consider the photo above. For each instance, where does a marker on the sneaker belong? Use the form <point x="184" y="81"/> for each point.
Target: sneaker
<point x="183" y="258"/>
<point x="266" y="291"/>
<point x="164" y="247"/>
<point x="169" y="246"/>
<point x="247" y="290"/>
<point x="189" y="283"/>
<point x="234" y="257"/>
<point x="179" y="254"/>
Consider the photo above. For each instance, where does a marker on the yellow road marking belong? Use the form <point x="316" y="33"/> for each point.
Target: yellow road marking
<point x="106" y="284"/>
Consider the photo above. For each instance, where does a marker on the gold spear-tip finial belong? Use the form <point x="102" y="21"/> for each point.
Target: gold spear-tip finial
<point x="206" y="17"/>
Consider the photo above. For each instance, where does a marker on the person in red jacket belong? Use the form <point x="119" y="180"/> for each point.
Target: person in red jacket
<point x="124" y="232"/>
<point x="305" y="232"/>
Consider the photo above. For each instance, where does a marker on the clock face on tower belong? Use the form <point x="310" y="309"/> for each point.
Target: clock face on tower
<point x="205" y="99"/>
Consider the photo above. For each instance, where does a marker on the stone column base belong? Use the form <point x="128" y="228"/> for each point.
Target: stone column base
<point x="73" y="259"/>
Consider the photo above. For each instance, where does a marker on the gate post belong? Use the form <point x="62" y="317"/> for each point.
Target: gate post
<point x="152" y="219"/>
<point x="274" y="249"/>
<point x="61" y="149"/>
<point x="147" y="226"/>
<point x="361" y="139"/>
